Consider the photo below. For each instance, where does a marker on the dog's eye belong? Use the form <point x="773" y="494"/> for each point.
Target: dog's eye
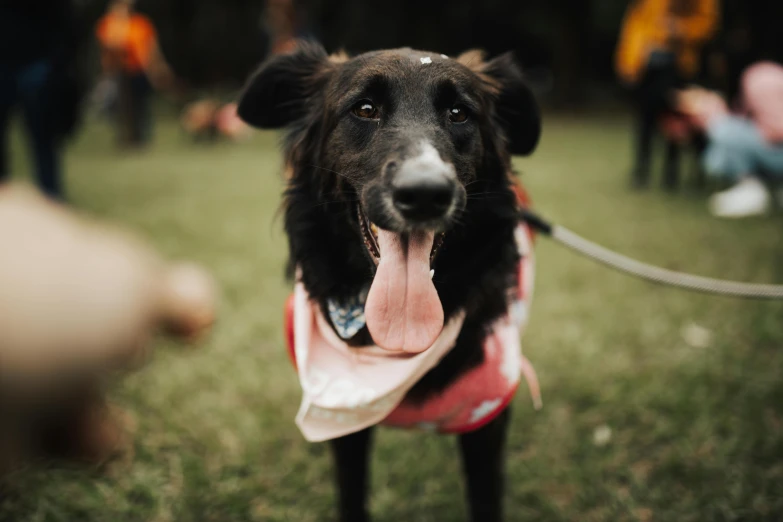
<point x="458" y="114"/>
<point x="366" y="110"/>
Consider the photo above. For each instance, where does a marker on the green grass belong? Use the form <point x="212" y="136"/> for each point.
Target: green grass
<point x="697" y="433"/>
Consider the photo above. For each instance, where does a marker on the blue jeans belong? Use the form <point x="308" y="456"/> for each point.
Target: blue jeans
<point x="28" y="86"/>
<point x="737" y="148"/>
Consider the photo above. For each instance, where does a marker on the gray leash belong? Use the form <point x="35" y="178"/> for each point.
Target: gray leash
<point x="648" y="272"/>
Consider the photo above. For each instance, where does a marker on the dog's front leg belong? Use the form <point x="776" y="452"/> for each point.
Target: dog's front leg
<point x="351" y="458"/>
<point x="483" y="460"/>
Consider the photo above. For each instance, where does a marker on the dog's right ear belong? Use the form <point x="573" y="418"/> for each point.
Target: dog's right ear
<point x="517" y="110"/>
<point x="277" y="94"/>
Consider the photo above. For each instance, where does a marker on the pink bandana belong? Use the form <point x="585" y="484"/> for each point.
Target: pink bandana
<point x="346" y="389"/>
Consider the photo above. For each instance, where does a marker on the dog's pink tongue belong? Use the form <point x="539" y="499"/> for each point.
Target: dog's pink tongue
<point x="403" y="311"/>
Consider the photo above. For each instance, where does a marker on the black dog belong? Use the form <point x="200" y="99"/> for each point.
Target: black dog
<point x="419" y="144"/>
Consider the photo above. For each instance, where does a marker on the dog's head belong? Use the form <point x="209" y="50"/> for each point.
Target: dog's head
<point x="409" y="132"/>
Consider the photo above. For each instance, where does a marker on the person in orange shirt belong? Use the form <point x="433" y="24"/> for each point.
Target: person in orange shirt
<point x="130" y="53"/>
<point x="659" y="51"/>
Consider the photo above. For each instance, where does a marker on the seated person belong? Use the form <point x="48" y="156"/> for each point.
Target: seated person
<point x="744" y="147"/>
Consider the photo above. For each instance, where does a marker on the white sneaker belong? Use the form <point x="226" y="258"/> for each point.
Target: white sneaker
<point x="749" y="197"/>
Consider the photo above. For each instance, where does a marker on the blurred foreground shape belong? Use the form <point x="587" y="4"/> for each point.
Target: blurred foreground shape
<point x="80" y="303"/>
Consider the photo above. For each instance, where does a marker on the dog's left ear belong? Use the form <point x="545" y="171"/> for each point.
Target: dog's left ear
<point x="515" y="104"/>
<point x="278" y="93"/>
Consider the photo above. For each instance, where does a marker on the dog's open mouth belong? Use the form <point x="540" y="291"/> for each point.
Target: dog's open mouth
<point x="370" y="235"/>
<point x="403" y="310"/>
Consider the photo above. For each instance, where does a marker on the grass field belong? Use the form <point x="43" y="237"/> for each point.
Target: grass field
<point x="696" y="429"/>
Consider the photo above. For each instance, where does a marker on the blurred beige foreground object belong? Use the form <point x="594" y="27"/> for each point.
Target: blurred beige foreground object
<point x="79" y="304"/>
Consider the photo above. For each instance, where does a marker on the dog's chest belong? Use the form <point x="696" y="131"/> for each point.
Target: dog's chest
<point x="348" y="388"/>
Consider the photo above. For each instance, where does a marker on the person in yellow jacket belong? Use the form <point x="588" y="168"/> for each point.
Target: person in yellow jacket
<point x="659" y="51"/>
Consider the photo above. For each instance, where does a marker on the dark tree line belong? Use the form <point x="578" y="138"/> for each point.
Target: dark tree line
<point x="211" y="42"/>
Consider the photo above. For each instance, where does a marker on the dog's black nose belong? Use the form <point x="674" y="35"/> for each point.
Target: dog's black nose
<point x="423" y="198"/>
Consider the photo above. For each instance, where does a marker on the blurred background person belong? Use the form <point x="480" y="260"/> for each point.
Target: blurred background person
<point x="281" y="25"/>
<point x="131" y="58"/>
<point x="659" y="51"/>
<point x="38" y="45"/>
<point x="745" y="147"/>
